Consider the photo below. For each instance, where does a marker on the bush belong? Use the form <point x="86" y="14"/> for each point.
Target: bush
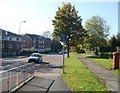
<point x="106" y="55"/>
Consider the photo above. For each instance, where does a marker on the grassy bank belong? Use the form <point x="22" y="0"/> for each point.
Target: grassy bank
<point x="80" y="78"/>
<point x="106" y="63"/>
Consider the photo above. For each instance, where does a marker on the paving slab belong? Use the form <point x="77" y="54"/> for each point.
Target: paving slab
<point x="30" y="88"/>
<point x="37" y="84"/>
<point x="58" y="85"/>
<point x="41" y="82"/>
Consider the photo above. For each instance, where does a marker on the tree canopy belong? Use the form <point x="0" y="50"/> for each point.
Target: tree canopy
<point x="47" y="34"/>
<point x="97" y="29"/>
<point x="67" y="22"/>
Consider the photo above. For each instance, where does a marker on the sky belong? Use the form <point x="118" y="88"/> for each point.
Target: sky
<point x="39" y="14"/>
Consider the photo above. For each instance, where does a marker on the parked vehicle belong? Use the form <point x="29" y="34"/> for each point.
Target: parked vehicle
<point x="35" y="57"/>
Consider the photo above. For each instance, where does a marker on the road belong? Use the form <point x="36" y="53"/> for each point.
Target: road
<point x="20" y="74"/>
<point x="9" y="63"/>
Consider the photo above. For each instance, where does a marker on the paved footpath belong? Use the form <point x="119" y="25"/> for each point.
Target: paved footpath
<point x="106" y="76"/>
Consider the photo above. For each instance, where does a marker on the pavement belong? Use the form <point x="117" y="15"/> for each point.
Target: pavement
<point x="106" y="76"/>
<point x="47" y="80"/>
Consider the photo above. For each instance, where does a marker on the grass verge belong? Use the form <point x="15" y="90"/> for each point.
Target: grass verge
<point x="106" y="63"/>
<point x="79" y="77"/>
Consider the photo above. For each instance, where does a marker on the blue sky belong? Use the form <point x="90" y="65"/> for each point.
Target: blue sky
<point x="39" y="14"/>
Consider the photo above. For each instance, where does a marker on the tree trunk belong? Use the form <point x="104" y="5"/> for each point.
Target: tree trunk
<point x="96" y="51"/>
<point x="68" y="48"/>
<point x="68" y="51"/>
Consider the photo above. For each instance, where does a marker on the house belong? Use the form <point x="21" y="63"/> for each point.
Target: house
<point x="10" y="43"/>
<point x="32" y="42"/>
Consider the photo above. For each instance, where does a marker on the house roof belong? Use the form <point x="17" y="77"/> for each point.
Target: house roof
<point x="34" y="36"/>
<point x="7" y="33"/>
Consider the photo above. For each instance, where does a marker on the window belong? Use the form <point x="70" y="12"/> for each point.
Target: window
<point x="3" y="45"/>
<point x="18" y="46"/>
<point x="0" y="45"/>
<point x="10" y="45"/>
<point x="34" y="41"/>
<point x="0" y="37"/>
<point x="17" y="38"/>
<point x="10" y="38"/>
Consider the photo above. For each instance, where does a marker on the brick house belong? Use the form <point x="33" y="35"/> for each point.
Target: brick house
<point x="9" y="43"/>
<point x="32" y="42"/>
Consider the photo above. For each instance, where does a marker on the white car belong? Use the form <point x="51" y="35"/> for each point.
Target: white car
<point x="35" y="57"/>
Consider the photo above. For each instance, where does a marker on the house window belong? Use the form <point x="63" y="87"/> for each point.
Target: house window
<point x="24" y="41"/>
<point x="3" y="45"/>
<point x="0" y="37"/>
<point x="10" y="45"/>
<point x="17" y="38"/>
<point x="34" y="41"/>
<point x="17" y="46"/>
<point x="0" y="45"/>
<point x="10" y="38"/>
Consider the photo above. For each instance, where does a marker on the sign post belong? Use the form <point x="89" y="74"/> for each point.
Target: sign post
<point x="63" y="39"/>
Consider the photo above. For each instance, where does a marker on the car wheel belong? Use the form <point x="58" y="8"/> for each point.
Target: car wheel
<point x="29" y="61"/>
<point x="38" y="60"/>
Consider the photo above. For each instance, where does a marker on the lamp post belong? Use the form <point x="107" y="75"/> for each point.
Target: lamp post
<point x="20" y="25"/>
<point x="19" y="33"/>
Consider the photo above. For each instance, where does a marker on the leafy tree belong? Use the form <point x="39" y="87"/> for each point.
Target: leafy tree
<point x="113" y="41"/>
<point x="98" y="31"/>
<point x="47" y="34"/>
<point x="55" y="46"/>
<point x="67" y="22"/>
<point x="118" y="39"/>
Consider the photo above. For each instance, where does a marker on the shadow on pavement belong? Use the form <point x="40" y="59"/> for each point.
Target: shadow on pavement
<point x="41" y="62"/>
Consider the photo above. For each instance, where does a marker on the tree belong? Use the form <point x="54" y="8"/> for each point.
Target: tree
<point x="98" y="31"/>
<point x="113" y="41"/>
<point x="47" y="34"/>
<point x="118" y="39"/>
<point x="67" y="22"/>
<point x="55" y="46"/>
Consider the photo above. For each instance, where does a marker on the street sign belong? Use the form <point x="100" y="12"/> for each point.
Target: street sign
<point x="63" y="38"/>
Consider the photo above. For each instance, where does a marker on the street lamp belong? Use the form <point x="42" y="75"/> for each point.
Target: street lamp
<point x="20" y="25"/>
<point x="19" y="32"/>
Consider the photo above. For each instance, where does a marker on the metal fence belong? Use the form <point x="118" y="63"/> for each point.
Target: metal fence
<point x="13" y="78"/>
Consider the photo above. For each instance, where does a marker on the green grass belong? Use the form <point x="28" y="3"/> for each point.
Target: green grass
<point x="79" y="77"/>
<point x="106" y="63"/>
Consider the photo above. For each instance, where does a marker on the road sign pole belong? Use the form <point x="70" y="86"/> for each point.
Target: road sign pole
<point x="63" y="57"/>
<point x="63" y="39"/>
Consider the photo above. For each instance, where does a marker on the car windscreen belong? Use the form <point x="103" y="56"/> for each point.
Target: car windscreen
<point x="35" y="55"/>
